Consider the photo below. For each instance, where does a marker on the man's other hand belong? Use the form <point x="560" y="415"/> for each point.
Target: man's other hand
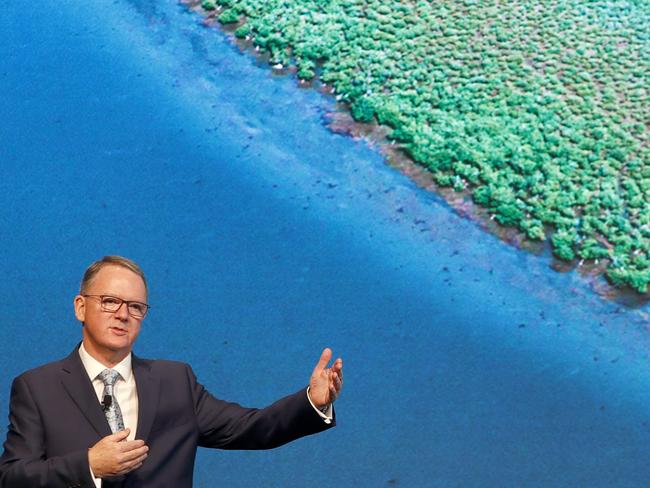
<point x="326" y="383"/>
<point x="114" y="455"/>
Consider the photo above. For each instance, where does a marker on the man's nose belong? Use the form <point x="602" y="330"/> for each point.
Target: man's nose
<point x="122" y="312"/>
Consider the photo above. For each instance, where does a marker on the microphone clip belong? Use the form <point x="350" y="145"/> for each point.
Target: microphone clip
<point x="107" y="402"/>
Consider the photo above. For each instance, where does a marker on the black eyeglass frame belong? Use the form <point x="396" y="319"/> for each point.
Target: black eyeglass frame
<point x="122" y="301"/>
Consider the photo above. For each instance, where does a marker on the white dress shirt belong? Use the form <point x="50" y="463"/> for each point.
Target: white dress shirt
<point x="124" y="391"/>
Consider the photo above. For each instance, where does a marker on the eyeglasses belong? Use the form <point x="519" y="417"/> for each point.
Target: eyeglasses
<point x="112" y="304"/>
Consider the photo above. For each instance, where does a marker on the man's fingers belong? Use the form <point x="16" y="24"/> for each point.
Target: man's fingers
<point x="138" y="461"/>
<point x="338" y="367"/>
<point x="134" y="455"/>
<point x="131" y="445"/>
<point x="130" y="466"/>
<point x="336" y="384"/>
<point x="336" y="371"/>
<point x="121" y="435"/>
<point x="128" y="470"/>
<point x="325" y="357"/>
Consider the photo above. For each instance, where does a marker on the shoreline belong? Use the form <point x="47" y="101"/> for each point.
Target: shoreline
<point x="340" y="121"/>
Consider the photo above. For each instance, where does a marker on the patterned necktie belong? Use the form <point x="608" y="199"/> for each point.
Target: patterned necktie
<point x="113" y="412"/>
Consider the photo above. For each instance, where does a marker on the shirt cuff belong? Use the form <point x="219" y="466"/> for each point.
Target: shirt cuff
<point x="325" y="412"/>
<point x="97" y="481"/>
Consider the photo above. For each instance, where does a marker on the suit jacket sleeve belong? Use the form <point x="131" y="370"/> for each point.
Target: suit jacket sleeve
<point x="23" y="463"/>
<point x="227" y="425"/>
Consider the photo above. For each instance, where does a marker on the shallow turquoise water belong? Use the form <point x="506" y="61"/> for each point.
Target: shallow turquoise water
<point x="130" y="128"/>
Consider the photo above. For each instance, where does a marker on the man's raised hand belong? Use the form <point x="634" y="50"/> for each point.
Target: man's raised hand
<point x="325" y="383"/>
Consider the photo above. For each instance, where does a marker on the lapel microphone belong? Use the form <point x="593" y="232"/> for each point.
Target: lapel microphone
<point x="106" y="403"/>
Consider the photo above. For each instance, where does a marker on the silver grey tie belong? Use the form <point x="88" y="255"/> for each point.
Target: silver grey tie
<point x="112" y="412"/>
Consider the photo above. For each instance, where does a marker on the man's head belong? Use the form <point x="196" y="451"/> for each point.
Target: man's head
<point x="110" y="324"/>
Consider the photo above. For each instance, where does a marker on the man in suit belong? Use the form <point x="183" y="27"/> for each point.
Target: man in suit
<point x="102" y="417"/>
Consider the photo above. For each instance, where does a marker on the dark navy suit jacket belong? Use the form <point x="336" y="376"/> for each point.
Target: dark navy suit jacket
<point x="55" y="418"/>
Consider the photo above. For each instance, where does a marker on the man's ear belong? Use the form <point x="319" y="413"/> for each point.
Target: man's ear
<point x="80" y="308"/>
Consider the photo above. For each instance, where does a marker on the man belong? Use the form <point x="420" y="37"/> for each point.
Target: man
<point x="102" y="417"/>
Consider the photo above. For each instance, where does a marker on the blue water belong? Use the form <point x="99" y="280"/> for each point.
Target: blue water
<point x="128" y="127"/>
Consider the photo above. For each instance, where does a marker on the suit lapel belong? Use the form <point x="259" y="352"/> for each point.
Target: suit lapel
<point x="77" y="384"/>
<point x="148" y="386"/>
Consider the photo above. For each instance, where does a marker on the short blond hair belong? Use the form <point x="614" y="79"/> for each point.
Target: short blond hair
<point x="94" y="268"/>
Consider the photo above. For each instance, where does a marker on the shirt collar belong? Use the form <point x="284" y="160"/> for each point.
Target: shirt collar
<point x="94" y="367"/>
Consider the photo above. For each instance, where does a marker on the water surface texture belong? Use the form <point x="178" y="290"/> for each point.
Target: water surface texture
<point x="130" y="128"/>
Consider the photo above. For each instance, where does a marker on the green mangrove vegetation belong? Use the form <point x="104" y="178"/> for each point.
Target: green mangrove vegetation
<point x="537" y="108"/>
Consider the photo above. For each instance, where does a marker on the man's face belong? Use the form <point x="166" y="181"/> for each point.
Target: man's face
<point x="109" y="336"/>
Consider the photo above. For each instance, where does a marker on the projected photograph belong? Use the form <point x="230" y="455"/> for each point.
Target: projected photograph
<point x="353" y="243"/>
